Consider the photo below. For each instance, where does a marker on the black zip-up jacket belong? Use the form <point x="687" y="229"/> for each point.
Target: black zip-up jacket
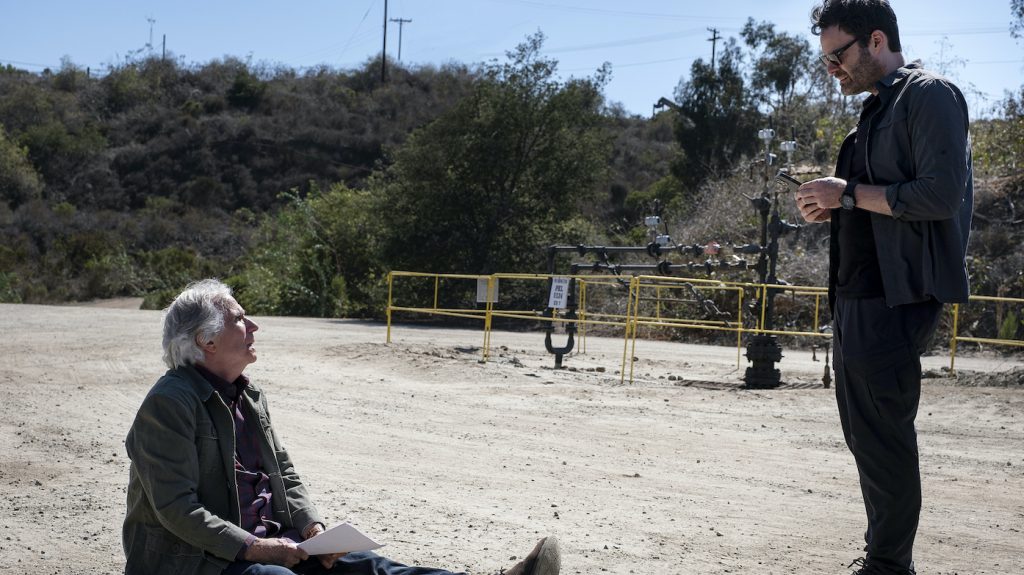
<point x="919" y="147"/>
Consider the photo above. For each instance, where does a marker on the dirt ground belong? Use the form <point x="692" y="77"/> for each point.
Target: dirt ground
<point x="464" y="465"/>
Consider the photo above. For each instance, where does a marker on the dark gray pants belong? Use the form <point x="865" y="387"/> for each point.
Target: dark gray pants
<point x="878" y="385"/>
<point x="363" y="563"/>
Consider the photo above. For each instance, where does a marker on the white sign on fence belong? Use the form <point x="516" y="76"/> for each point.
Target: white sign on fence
<point x="559" y="293"/>
<point x="481" y="291"/>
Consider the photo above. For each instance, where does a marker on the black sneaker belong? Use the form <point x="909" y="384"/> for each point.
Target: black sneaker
<point x="866" y="568"/>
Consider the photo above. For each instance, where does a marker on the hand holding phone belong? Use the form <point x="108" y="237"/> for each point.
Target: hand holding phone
<point x="792" y="183"/>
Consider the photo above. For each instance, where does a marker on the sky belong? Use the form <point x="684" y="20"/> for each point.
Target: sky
<point x="650" y="45"/>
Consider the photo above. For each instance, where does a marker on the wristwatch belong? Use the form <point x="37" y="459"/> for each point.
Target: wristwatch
<point x="848" y="200"/>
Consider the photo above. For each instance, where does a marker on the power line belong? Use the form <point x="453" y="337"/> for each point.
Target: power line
<point x="591" y="10"/>
<point x="34" y="65"/>
<point x="623" y="42"/>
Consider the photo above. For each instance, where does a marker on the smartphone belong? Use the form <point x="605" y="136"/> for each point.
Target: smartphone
<point x="791" y="182"/>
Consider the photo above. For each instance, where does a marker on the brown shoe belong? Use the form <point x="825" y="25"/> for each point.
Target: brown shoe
<point x="545" y="559"/>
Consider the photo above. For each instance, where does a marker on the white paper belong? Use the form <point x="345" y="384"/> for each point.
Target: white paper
<point x="341" y="538"/>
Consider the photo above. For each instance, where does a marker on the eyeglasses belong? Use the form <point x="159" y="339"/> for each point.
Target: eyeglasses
<point x="835" y="56"/>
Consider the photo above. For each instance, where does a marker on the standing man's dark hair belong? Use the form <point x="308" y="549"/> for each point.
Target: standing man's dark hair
<point x="859" y="19"/>
<point x="899" y="210"/>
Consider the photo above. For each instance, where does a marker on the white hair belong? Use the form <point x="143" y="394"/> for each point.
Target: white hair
<point x="196" y="314"/>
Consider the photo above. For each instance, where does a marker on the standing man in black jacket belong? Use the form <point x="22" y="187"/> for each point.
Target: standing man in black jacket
<point x="900" y="213"/>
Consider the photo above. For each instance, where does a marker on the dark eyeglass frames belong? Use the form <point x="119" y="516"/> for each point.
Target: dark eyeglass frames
<point x="835" y="56"/>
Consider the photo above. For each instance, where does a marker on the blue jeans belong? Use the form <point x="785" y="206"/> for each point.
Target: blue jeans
<point x="362" y="563"/>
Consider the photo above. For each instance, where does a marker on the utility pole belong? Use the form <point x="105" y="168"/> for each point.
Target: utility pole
<point x="401" y="22"/>
<point x="714" y="40"/>
<point x="151" y="22"/>
<point x="384" y="48"/>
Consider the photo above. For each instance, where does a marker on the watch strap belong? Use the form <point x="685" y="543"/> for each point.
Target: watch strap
<point x="849" y="204"/>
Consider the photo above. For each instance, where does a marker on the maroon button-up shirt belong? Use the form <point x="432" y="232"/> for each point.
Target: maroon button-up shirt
<point x="254" y="491"/>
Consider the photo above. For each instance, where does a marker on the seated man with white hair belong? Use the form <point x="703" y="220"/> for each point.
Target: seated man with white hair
<point x="211" y="490"/>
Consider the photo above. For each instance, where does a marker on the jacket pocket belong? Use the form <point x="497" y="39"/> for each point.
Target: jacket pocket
<point x="208" y="449"/>
<point x="167" y="555"/>
<point x="890" y="149"/>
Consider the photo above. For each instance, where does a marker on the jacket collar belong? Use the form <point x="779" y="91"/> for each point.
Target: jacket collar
<point x="203" y="388"/>
<point x="199" y="383"/>
<point x="898" y="75"/>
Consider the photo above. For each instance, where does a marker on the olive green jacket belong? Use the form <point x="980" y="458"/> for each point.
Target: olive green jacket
<point x="183" y="510"/>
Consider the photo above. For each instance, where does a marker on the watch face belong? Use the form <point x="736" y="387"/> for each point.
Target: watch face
<point x="848" y="202"/>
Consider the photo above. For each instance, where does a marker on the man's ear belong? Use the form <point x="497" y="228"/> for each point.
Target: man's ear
<point x="206" y="346"/>
<point x="877" y="41"/>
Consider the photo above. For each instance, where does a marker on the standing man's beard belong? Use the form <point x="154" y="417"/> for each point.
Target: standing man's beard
<point x="863" y="76"/>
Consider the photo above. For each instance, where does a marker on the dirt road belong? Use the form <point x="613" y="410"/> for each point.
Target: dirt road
<point x="463" y="465"/>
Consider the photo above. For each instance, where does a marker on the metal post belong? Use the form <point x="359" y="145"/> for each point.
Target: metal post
<point x="384" y="47"/>
<point x="390" y="281"/>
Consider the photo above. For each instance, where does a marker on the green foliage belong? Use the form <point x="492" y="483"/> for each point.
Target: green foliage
<point x="317" y="257"/>
<point x="998" y="143"/>
<point x="718" y="120"/>
<point x="246" y="91"/>
<point x="1017" y="21"/>
<point x="784" y="61"/>
<point x="641" y="155"/>
<point x="202" y="135"/>
<point x="160" y="173"/>
<point x="1010" y="326"/>
<point x="484" y="187"/>
<point x="8" y="290"/>
<point x="19" y="181"/>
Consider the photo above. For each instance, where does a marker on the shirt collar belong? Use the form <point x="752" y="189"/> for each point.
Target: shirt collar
<point x="228" y="390"/>
<point x="897" y="75"/>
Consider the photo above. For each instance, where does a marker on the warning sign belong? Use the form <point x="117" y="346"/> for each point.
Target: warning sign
<point x="481" y="291"/>
<point x="559" y="293"/>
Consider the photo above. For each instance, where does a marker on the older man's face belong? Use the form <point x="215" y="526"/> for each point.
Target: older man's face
<point x="233" y="347"/>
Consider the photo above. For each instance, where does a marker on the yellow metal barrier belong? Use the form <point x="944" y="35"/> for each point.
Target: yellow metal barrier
<point x="956" y="338"/>
<point x="633" y="318"/>
<point x="489" y="313"/>
<point x="630" y="322"/>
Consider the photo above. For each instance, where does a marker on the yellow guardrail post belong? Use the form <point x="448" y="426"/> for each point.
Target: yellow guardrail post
<point x="956" y="338"/>
<point x="388" y="311"/>
<point x="739" y="328"/>
<point x="817" y="311"/>
<point x="437" y="282"/>
<point x="629" y="325"/>
<point x="764" y="307"/>
<point x="583" y="316"/>
<point x="489" y="309"/>
<point x="636" y="328"/>
<point x="953" y="338"/>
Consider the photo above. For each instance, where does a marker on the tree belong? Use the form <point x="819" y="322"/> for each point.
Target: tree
<point x="718" y="119"/>
<point x="19" y="181"/>
<point x="488" y="184"/>
<point x="317" y="256"/>
<point x="783" y="62"/>
<point x="793" y="89"/>
<point x="1017" y="15"/>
